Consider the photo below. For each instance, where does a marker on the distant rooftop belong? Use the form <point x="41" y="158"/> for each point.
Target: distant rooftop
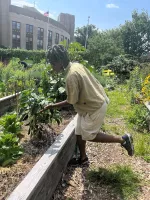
<point x="33" y="9"/>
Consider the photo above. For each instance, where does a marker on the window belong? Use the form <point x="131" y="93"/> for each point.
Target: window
<point x="29" y="37"/>
<point x="49" y="38"/>
<point x="16" y="34"/>
<point x="62" y="38"/>
<point x="40" y="38"/>
<point x="57" y="39"/>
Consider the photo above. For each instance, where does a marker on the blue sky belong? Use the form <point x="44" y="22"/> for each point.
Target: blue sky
<point x="105" y="14"/>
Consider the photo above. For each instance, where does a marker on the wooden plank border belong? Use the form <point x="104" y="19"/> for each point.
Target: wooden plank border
<point x="147" y="104"/>
<point x="42" y="180"/>
<point x="8" y="102"/>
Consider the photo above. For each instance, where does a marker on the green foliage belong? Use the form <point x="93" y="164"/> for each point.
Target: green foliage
<point x="22" y="54"/>
<point x="122" y="65"/>
<point x="103" y="47"/>
<point x="101" y="79"/>
<point x="10" y="150"/>
<point x="76" y="52"/>
<point x="136" y="34"/>
<point x="57" y="88"/>
<point x="121" y="178"/>
<point x="118" y="102"/>
<point x="139" y="117"/>
<point x="145" y="70"/>
<point x="15" y="79"/>
<point x="135" y="85"/>
<point x="111" y="83"/>
<point x="10" y="123"/>
<point x="80" y="33"/>
<point x="135" y="80"/>
<point x="31" y="104"/>
<point x="142" y="146"/>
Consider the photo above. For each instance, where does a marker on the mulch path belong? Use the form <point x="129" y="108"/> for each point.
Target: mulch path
<point x="76" y="186"/>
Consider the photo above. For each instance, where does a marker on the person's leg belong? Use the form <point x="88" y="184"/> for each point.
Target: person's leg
<point x="126" y="141"/>
<point x="104" y="138"/>
<point x="81" y="144"/>
<point x="82" y="147"/>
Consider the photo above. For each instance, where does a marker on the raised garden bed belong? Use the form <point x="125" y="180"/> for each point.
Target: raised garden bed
<point x="45" y="175"/>
<point x="7" y="103"/>
<point x="147" y="104"/>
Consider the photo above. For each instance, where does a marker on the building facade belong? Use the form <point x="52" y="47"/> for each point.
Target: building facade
<point x="69" y="22"/>
<point x="27" y="28"/>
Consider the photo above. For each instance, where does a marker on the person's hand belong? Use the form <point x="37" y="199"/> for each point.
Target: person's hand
<point x="50" y="106"/>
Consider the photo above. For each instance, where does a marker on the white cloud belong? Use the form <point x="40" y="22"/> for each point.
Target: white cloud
<point x="22" y="3"/>
<point x="111" y="5"/>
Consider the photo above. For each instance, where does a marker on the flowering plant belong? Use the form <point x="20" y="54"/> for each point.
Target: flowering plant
<point x="146" y="89"/>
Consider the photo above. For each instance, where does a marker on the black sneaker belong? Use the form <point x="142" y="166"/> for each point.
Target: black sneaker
<point x="128" y="144"/>
<point x="75" y="162"/>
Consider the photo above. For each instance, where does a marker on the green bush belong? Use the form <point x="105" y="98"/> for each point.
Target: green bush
<point x="142" y="146"/>
<point x="10" y="150"/>
<point x="22" y="54"/>
<point x="145" y="70"/>
<point x="139" y="117"/>
<point x="122" y="65"/>
<point x="30" y="105"/>
<point x="10" y="123"/>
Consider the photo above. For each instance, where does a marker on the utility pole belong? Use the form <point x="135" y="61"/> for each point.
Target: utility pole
<point x="86" y="37"/>
<point x="47" y="32"/>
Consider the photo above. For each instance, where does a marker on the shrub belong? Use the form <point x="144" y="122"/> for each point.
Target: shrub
<point x="139" y="117"/>
<point x="30" y="105"/>
<point x="10" y="150"/>
<point x="22" y="54"/>
<point x="10" y="123"/>
<point x="122" y="65"/>
<point x="146" y="89"/>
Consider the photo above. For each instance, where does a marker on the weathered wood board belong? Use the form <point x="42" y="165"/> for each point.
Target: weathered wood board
<point x="6" y="103"/>
<point x="44" y="177"/>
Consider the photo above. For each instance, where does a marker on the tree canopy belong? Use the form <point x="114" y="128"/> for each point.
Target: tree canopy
<point x="132" y="38"/>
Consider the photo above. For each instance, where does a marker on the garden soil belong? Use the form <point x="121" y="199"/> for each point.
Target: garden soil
<point x="11" y="176"/>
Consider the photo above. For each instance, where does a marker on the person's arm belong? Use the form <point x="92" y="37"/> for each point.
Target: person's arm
<point x="59" y="104"/>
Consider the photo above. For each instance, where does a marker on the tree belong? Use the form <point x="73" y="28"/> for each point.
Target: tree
<point x="104" y="46"/>
<point x="136" y="34"/>
<point x="80" y="33"/>
<point x="122" y="65"/>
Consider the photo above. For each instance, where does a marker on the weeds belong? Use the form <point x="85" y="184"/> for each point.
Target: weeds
<point x="121" y="178"/>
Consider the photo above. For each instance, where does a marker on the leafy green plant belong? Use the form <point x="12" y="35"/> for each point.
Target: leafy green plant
<point x="122" y="65"/>
<point x="139" y="117"/>
<point x="10" y="150"/>
<point x="10" y="123"/>
<point x="135" y="86"/>
<point x="30" y="105"/>
<point x="22" y="54"/>
<point x="142" y="146"/>
<point x="135" y="80"/>
<point x="76" y="51"/>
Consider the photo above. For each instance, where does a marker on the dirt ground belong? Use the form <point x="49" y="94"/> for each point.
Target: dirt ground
<point x="76" y="186"/>
<point x="11" y="176"/>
